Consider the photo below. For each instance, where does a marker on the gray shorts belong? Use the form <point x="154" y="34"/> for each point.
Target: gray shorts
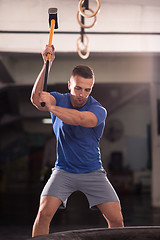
<point x="95" y="185"/>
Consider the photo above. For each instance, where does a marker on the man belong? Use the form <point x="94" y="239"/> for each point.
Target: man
<point x="78" y="123"/>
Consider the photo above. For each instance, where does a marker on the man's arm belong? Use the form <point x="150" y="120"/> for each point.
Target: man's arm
<point x="75" y="117"/>
<point x="67" y="115"/>
<point x="38" y="86"/>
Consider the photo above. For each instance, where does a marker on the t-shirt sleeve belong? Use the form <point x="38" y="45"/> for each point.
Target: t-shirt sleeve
<point x="56" y="95"/>
<point x="100" y="112"/>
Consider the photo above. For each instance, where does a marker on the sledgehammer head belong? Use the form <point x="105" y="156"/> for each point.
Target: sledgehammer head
<point x="53" y="15"/>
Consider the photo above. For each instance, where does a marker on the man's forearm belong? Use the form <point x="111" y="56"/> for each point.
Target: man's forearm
<point x="38" y="87"/>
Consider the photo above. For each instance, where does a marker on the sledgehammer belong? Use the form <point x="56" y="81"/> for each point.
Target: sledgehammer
<point x="53" y="23"/>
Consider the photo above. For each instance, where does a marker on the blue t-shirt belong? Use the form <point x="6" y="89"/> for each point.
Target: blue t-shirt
<point x="78" y="147"/>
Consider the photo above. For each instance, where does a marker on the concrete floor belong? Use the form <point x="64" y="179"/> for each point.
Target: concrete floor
<point x="18" y="211"/>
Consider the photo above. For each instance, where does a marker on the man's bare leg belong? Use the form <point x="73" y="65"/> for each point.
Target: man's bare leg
<point x="112" y="213"/>
<point x="47" y="209"/>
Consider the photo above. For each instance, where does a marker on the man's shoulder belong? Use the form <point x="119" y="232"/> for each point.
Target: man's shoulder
<point x="97" y="106"/>
<point x="62" y="99"/>
<point x="94" y="101"/>
<point x="60" y="96"/>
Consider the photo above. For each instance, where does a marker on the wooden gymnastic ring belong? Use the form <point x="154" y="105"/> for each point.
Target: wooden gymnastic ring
<point x="85" y="45"/>
<point x="85" y="49"/>
<point x="91" y="15"/>
<point x="81" y="24"/>
<point x="83" y="56"/>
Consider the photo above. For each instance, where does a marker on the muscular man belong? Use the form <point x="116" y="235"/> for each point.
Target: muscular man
<point x="78" y="123"/>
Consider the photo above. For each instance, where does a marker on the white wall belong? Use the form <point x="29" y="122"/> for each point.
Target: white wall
<point x="115" y="16"/>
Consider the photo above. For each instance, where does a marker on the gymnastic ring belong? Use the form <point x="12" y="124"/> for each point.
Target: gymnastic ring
<point x="91" y="15"/>
<point x="85" y="45"/>
<point x="82" y="25"/>
<point x="85" y="49"/>
<point x="83" y="56"/>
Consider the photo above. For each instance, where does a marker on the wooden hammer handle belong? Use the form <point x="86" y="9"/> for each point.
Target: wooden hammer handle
<point x="48" y="58"/>
<point x="51" y="36"/>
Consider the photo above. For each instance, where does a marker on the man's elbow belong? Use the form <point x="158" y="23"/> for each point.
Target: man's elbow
<point x="31" y="99"/>
<point x="34" y="100"/>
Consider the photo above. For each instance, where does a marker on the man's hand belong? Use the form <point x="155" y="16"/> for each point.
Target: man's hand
<point x="48" y="49"/>
<point x="48" y="99"/>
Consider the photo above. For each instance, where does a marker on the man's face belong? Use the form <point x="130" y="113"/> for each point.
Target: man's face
<point x="80" y="89"/>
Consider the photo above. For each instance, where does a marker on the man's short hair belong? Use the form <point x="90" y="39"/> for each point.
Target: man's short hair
<point x="83" y="71"/>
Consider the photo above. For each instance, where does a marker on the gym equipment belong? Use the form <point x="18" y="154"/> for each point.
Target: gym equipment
<point x="80" y="7"/>
<point x="126" y="233"/>
<point x="53" y="23"/>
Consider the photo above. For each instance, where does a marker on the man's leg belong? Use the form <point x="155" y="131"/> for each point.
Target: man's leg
<point x="47" y="209"/>
<point x="112" y="213"/>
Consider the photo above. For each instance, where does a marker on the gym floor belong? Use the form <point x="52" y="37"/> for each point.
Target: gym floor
<point x="18" y="211"/>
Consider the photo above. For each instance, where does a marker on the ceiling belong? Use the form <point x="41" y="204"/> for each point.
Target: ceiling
<point x="134" y="2"/>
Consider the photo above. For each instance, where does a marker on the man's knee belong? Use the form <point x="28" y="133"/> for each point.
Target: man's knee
<point x="44" y="215"/>
<point x="48" y="207"/>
